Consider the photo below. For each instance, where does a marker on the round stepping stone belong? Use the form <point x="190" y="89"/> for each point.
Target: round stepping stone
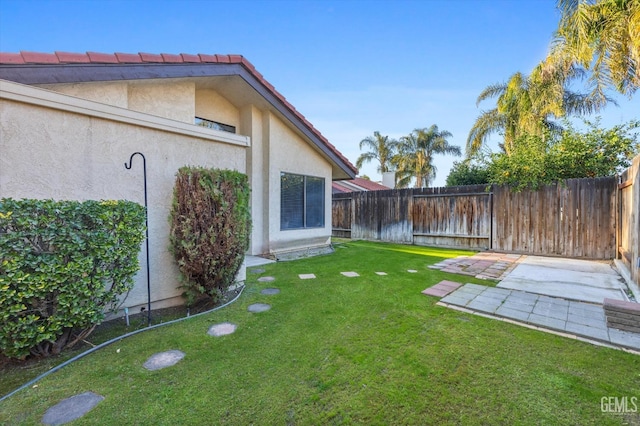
<point x="222" y="329"/>
<point x="71" y="408"/>
<point x="258" y="307"/>
<point x="163" y="360"/>
<point x="257" y="271"/>
<point x="266" y="279"/>
<point x="270" y="291"/>
<point x="413" y="271"/>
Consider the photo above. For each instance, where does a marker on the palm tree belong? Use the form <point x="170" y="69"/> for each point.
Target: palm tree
<point x="528" y="105"/>
<point x="415" y="155"/>
<point x="602" y="37"/>
<point x="382" y="149"/>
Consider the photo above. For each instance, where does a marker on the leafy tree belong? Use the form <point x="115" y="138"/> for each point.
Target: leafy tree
<point x="602" y="37"/>
<point x="528" y="105"/>
<point x="382" y="149"/>
<point x="415" y="155"/>
<point x="540" y="160"/>
<point x="467" y="172"/>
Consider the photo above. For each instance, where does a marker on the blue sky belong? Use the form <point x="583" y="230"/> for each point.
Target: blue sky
<point x="351" y="66"/>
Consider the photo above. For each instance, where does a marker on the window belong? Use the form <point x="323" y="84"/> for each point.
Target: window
<point x="214" y="125"/>
<point x="301" y="201"/>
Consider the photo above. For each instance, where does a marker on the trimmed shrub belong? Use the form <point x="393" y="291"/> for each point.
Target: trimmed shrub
<point x="210" y="227"/>
<point x="62" y="264"/>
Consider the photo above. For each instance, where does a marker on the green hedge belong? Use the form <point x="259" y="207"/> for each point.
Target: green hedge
<point x="62" y="264"/>
<point x="210" y="227"/>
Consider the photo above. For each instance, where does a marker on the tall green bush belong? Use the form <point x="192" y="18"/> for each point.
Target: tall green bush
<point x="62" y="264"/>
<point x="210" y="227"/>
<point x="594" y="152"/>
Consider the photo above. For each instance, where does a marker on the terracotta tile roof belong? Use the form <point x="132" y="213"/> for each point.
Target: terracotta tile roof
<point x="369" y="185"/>
<point x="63" y="58"/>
<point x="357" y="184"/>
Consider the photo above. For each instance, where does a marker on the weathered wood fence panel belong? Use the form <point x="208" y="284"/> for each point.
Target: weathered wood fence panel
<point x="452" y="217"/>
<point x="575" y="219"/>
<point x="341" y="215"/>
<point x="382" y="215"/>
<point x="629" y="220"/>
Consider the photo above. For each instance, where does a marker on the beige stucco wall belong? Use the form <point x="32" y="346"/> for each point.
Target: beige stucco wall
<point x="79" y="155"/>
<point x="174" y="100"/>
<point x="211" y="105"/>
<point x="290" y="154"/>
<point x="276" y="147"/>
<point x="110" y="93"/>
<point x="257" y="160"/>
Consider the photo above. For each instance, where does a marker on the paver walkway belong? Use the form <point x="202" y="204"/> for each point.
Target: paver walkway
<point x="568" y="317"/>
<point x="482" y="265"/>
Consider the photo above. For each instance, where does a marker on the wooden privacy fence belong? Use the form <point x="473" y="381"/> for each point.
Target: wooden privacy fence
<point x="628" y="215"/>
<point x="575" y="218"/>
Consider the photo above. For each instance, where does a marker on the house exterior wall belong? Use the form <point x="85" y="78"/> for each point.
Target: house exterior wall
<point x="111" y="93"/>
<point x="173" y="100"/>
<point x="289" y="153"/>
<point x="212" y="106"/>
<point x="63" y="148"/>
<point x="252" y="125"/>
<point x="275" y="147"/>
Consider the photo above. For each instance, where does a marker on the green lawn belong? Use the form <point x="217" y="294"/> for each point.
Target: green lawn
<point x="338" y="350"/>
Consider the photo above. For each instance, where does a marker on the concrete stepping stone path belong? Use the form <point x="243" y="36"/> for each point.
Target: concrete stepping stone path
<point x="307" y="276"/>
<point x="259" y="307"/>
<point x="413" y="271"/>
<point x="222" y="329"/>
<point x="71" y="408"/>
<point x="381" y="273"/>
<point x="266" y="279"/>
<point x="350" y="274"/>
<point x="270" y="291"/>
<point x="163" y="360"/>
<point x="257" y="270"/>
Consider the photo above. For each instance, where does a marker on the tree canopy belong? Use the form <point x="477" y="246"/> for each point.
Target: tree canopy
<point x="415" y="155"/>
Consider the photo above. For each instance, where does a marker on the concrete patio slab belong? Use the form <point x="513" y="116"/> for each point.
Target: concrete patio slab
<point x="251" y="261"/>
<point x="577" y="319"/>
<point x="589" y="281"/>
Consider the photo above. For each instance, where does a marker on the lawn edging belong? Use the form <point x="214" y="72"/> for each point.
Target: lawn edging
<point x="116" y="339"/>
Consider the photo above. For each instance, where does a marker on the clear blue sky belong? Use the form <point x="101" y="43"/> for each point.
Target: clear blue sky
<point x="351" y="66"/>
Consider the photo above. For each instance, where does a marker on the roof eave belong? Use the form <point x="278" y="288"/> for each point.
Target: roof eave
<point x="94" y="72"/>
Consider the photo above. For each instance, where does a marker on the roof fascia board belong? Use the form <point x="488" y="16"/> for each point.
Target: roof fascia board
<point x="83" y="73"/>
<point x="46" y="98"/>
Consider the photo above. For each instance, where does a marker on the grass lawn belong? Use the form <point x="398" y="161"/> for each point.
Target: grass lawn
<point x="339" y="350"/>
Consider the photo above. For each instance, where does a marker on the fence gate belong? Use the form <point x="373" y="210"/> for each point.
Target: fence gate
<point x="575" y="218"/>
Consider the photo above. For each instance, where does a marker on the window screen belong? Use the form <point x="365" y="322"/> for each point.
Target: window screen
<point x="301" y="201"/>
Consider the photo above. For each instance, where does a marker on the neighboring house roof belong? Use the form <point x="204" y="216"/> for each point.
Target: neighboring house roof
<point x="356" y="185"/>
<point x="63" y="67"/>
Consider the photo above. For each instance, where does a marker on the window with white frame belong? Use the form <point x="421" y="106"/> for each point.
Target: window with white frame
<point x="301" y="201"/>
<point x="210" y="124"/>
